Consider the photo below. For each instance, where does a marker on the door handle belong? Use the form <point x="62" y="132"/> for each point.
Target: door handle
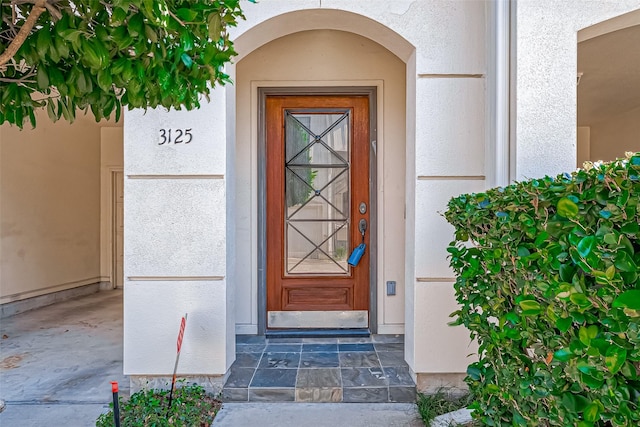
<point x="358" y="252"/>
<point x="362" y="226"/>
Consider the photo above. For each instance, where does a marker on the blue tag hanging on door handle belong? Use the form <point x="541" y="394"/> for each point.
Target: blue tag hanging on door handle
<point x="358" y="252"/>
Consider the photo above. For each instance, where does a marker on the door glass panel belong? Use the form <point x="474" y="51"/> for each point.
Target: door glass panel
<point x="317" y="195"/>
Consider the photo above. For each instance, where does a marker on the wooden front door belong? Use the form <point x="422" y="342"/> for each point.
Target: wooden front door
<point x="317" y="210"/>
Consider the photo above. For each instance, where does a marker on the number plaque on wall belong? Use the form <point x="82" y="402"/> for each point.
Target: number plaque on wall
<point x="175" y="136"/>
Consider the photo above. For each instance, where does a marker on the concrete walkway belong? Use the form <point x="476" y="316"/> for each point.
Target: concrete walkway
<point x="56" y="364"/>
<point x="318" y="415"/>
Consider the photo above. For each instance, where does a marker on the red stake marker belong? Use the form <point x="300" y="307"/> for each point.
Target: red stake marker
<point x="183" y="324"/>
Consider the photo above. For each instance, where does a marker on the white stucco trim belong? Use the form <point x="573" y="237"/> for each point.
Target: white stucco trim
<point x="614" y="24"/>
<point x="267" y="28"/>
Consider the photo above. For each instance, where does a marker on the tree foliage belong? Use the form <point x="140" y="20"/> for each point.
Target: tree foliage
<point x="102" y="55"/>
<point x="548" y="279"/>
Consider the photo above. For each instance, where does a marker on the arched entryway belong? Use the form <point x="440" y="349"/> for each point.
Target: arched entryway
<point x="333" y="51"/>
<point x="321" y="56"/>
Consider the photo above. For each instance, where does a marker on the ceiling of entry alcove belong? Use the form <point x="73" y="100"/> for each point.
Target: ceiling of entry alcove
<point x="610" y="84"/>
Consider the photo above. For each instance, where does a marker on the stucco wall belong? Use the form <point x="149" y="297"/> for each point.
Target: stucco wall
<point x="175" y="243"/>
<point x="443" y="46"/>
<point x="611" y="138"/>
<point x="50" y="212"/>
<point x="546" y="64"/>
<point x="325" y="58"/>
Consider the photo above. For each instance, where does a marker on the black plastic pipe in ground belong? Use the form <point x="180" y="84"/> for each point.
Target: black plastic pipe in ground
<point x="116" y="408"/>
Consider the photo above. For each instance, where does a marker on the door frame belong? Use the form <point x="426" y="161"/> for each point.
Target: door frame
<point x="371" y="93"/>
<point x="113" y="223"/>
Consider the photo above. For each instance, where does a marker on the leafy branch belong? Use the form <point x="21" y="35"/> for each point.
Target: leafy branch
<point x="101" y="56"/>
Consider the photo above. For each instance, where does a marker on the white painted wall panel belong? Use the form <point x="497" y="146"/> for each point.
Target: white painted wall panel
<point x="439" y="30"/>
<point x="450" y="116"/>
<point x="433" y="232"/>
<point x="175" y="227"/>
<point x="50" y="207"/>
<point x="205" y="154"/>
<point x="441" y="348"/>
<point x="433" y="27"/>
<point x="152" y="316"/>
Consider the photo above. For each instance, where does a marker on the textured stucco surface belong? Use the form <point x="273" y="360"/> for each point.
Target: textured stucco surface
<point x="433" y="232"/>
<point x="432" y="27"/>
<point x="450" y="127"/>
<point x="205" y="154"/>
<point x="176" y="227"/>
<point x="546" y="80"/>
<point x="152" y="316"/>
<point x="175" y="243"/>
<point x="449" y="349"/>
<point x="444" y="45"/>
<point x="450" y="116"/>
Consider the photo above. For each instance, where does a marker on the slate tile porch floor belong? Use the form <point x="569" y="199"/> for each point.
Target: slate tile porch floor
<point x="370" y="369"/>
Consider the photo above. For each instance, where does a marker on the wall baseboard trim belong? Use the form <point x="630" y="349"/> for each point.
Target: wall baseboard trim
<point x="50" y="289"/>
<point x="246" y="329"/>
<point x="391" y="329"/>
<point x="15" y="307"/>
<point x="211" y="383"/>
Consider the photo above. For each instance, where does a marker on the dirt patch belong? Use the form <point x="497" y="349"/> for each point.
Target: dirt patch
<point x="87" y="324"/>
<point x="12" y="362"/>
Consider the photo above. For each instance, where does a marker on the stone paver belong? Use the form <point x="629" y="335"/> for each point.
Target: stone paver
<point x="318" y="415"/>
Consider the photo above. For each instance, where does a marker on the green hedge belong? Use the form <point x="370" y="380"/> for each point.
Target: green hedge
<point x="547" y="280"/>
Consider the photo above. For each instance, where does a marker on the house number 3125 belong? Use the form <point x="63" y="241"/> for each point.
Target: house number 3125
<point x="175" y="136"/>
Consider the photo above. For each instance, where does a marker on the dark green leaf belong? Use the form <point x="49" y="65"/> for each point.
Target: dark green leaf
<point x="42" y="78"/>
<point x="136" y="25"/>
<point x="628" y="299"/>
<point x="474" y="372"/>
<point x="594" y="382"/>
<point x="563" y="324"/>
<point x="586" y="245"/>
<point x="43" y="41"/>
<point x="187" y="14"/>
<point x="625" y="263"/>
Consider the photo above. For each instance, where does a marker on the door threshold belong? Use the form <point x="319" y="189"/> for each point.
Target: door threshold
<point x="317" y="333"/>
